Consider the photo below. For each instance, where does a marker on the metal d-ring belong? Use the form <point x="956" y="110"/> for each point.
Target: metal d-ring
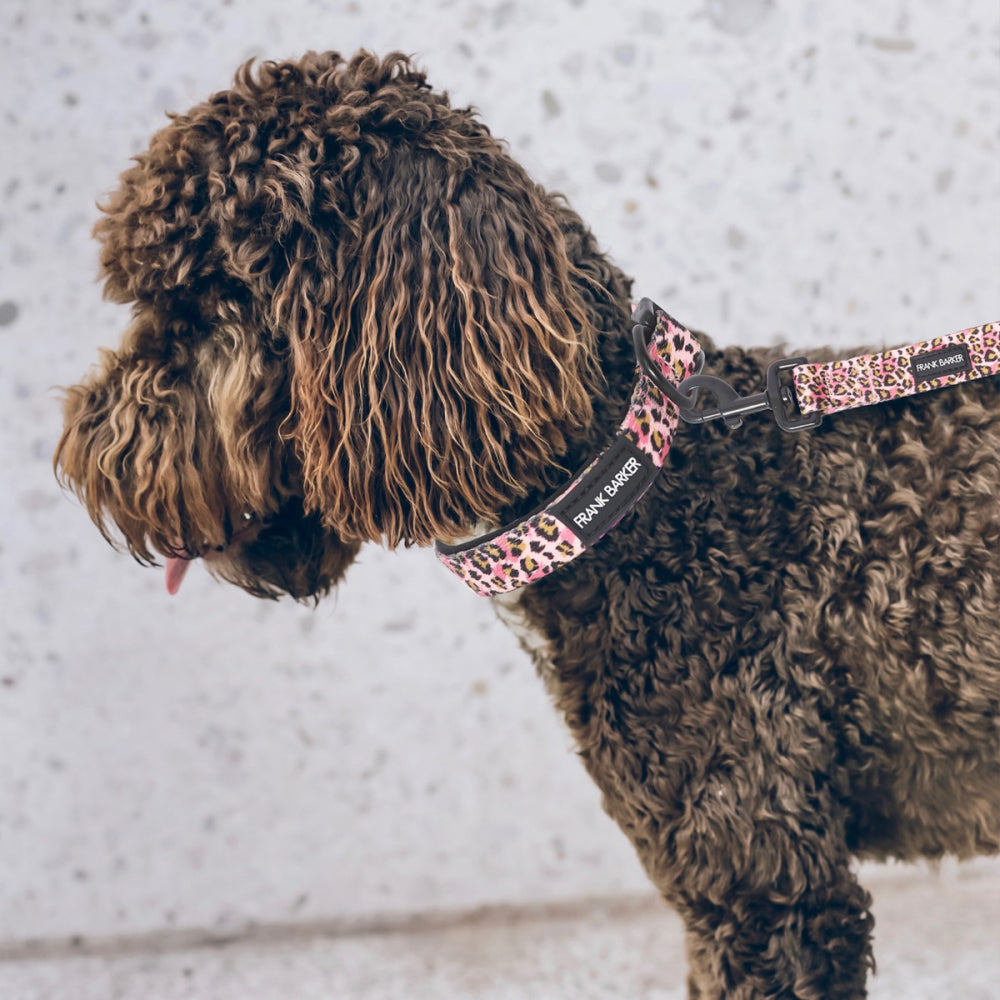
<point x="729" y="406"/>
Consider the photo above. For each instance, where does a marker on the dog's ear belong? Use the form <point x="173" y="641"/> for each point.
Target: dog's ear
<point x="441" y="351"/>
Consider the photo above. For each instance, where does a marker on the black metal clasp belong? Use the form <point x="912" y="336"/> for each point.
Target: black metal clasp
<point x="725" y="402"/>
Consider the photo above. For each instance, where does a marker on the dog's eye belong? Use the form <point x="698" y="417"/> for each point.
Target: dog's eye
<point x="244" y="526"/>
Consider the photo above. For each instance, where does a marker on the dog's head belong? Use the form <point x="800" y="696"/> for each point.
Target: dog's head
<point x="354" y="318"/>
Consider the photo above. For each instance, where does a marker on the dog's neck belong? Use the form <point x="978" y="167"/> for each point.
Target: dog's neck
<point x="612" y="482"/>
<point x="610" y="392"/>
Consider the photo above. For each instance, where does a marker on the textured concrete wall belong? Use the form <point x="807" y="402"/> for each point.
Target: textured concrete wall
<point x="800" y="170"/>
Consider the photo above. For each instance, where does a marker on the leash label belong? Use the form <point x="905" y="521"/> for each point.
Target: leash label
<point x="951" y="360"/>
<point x="596" y="504"/>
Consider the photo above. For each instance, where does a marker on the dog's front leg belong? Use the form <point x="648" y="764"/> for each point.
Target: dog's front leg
<point x="771" y="905"/>
<point x="737" y="813"/>
<point x="754" y="948"/>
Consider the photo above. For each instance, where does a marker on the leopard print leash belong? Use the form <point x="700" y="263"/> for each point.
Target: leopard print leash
<point x="876" y="378"/>
<point x="670" y="386"/>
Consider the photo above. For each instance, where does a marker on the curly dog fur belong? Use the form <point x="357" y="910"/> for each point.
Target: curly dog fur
<point x="355" y="318"/>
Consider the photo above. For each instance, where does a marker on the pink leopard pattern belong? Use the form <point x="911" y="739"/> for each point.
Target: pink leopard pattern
<point x="876" y="378"/>
<point x="523" y="553"/>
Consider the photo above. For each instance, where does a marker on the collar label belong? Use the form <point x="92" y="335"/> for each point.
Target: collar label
<point x="951" y="360"/>
<point x="596" y="504"/>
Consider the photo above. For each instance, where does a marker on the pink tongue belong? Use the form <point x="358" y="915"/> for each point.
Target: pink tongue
<point x="176" y="568"/>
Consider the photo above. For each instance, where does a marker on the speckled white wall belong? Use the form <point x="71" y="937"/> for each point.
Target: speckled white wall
<point x="766" y="168"/>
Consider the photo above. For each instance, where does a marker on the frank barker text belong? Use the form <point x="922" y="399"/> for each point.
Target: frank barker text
<point x="617" y="481"/>
<point x="935" y="363"/>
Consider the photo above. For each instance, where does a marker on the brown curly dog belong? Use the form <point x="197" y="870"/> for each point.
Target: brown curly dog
<point x="355" y="318"/>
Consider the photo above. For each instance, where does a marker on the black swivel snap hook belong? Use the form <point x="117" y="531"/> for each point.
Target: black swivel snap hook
<point x="726" y="403"/>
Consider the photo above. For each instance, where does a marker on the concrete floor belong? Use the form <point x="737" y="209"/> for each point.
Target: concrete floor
<point x="936" y="938"/>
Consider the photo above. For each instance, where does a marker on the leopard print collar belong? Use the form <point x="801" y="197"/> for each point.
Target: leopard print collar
<point x="599" y="496"/>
